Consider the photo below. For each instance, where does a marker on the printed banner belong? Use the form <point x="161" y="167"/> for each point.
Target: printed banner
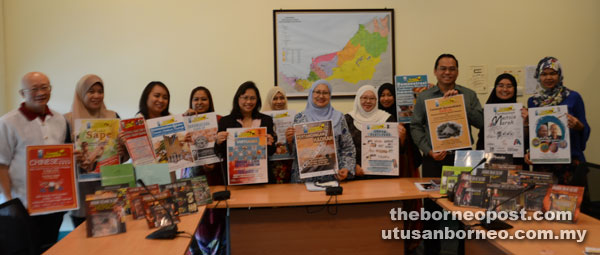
<point x="137" y="141"/>
<point x="51" y="185"/>
<point x="282" y="120"/>
<point x="202" y="130"/>
<point x="315" y="147"/>
<point x="549" y="135"/>
<point x="448" y="125"/>
<point x="503" y="129"/>
<point x="247" y="155"/>
<point x="407" y="89"/>
<point x="98" y="142"/>
<point x="168" y="140"/>
<point x="380" y="149"/>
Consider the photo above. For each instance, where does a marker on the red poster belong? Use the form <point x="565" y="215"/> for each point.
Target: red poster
<point x="51" y="179"/>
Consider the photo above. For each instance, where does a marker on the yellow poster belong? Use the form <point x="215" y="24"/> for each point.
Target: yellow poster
<point x="448" y="125"/>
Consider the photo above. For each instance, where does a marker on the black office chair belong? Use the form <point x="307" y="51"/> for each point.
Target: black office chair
<point x="17" y="233"/>
<point x="591" y="201"/>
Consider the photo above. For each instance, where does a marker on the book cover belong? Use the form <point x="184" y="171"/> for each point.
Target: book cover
<point x="380" y="149"/>
<point x="501" y="161"/>
<point x="183" y="196"/>
<point x="137" y="141"/>
<point x="117" y="174"/>
<point x="282" y="120"/>
<point x="315" y="147"/>
<point x="201" y="190"/>
<point x="498" y="193"/>
<point x="450" y="177"/>
<point x="51" y="182"/>
<point x="98" y="142"/>
<point x="202" y="130"/>
<point x="564" y="198"/>
<point x="120" y="191"/>
<point x="471" y="190"/>
<point x="407" y="89"/>
<point x="447" y="121"/>
<point x="104" y="217"/>
<point x="134" y="195"/>
<point x="168" y="141"/>
<point x="495" y="176"/>
<point x="247" y="156"/>
<point x="503" y="126"/>
<point x="549" y="141"/>
<point x="155" y="213"/>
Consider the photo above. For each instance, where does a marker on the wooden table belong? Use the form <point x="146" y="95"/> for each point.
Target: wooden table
<point x="133" y="241"/>
<point x="497" y="246"/>
<point x="285" y="218"/>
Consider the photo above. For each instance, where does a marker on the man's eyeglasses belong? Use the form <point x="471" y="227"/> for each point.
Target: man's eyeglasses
<point x="44" y="88"/>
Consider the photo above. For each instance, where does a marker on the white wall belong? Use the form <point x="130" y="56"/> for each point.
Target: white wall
<point x="3" y="99"/>
<point x="221" y="44"/>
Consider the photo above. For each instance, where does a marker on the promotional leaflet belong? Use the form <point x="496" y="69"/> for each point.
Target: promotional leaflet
<point x="448" y="125"/>
<point x="168" y="140"/>
<point x="549" y="141"/>
<point x="282" y="120"/>
<point x="315" y="147"/>
<point x="51" y="185"/>
<point x="407" y="89"/>
<point x="247" y="155"/>
<point x="202" y="131"/>
<point x="380" y="149"/>
<point x="137" y="141"/>
<point x="98" y="142"/>
<point x="503" y="126"/>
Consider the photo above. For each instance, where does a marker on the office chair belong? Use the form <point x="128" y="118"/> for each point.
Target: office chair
<point x="17" y="233"/>
<point x="591" y="202"/>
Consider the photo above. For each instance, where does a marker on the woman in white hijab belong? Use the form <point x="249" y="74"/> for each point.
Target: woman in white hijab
<point x="365" y="111"/>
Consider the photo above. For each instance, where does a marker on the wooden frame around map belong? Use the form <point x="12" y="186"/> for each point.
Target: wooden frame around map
<point x="292" y="85"/>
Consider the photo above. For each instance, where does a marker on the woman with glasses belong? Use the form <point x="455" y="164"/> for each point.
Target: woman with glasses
<point x="550" y="93"/>
<point x="318" y="108"/>
<point x="504" y="92"/>
<point x="365" y="111"/>
<point x="88" y="103"/>
<point x="245" y="114"/>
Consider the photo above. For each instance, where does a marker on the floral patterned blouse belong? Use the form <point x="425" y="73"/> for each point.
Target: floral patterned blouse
<point x="346" y="152"/>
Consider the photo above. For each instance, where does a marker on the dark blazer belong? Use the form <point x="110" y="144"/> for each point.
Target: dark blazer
<point x="230" y="122"/>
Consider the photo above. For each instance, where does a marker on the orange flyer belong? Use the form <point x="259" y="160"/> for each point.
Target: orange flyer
<point x="51" y="184"/>
<point x="448" y="125"/>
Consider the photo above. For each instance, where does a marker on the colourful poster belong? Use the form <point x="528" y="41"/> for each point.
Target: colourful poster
<point x="380" y="149"/>
<point x="202" y="130"/>
<point x="503" y="129"/>
<point x="448" y="125"/>
<point x="51" y="185"/>
<point x="549" y="135"/>
<point x="407" y="89"/>
<point x="137" y="141"/>
<point x="282" y="120"/>
<point x="98" y="142"/>
<point x="168" y="140"/>
<point x="247" y="155"/>
<point x="315" y="147"/>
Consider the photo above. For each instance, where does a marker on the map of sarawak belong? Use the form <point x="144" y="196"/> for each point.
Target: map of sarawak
<point x="339" y="49"/>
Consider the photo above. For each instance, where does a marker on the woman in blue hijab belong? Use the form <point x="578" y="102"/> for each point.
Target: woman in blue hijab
<point x="318" y="108"/>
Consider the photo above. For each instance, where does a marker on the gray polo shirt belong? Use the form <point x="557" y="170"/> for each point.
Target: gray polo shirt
<point x="419" y="126"/>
